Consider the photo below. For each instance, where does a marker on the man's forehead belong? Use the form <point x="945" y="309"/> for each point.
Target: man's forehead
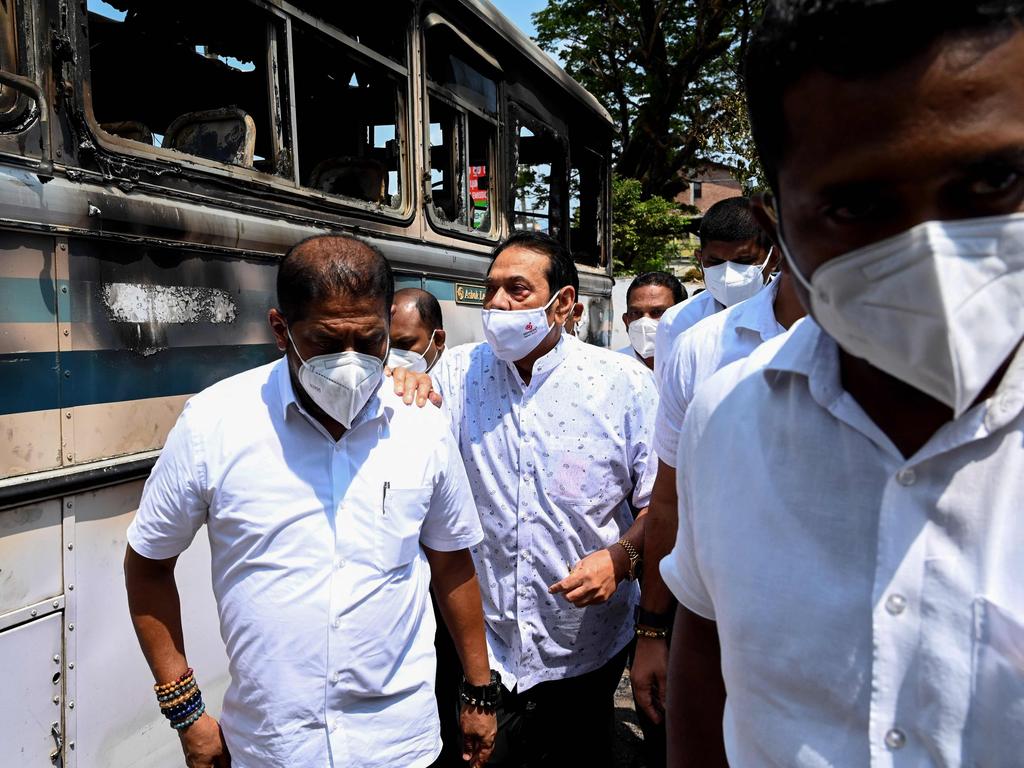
<point x="648" y="295"/>
<point x="950" y="101"/>
<point x="407" y="315"/>
<point x="516" y="261"/>
<point x="726" y="249"/>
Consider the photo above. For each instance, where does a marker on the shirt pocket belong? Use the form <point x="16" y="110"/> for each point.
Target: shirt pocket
<point x="399" y="525"/>
<point x="995" y="735"/>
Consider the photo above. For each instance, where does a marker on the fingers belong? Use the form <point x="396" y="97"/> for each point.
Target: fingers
<point x="423" y="390"/>
<point x="435" y="398"/>
<point x="645" y="700"/>
<point x="398" y="374"/>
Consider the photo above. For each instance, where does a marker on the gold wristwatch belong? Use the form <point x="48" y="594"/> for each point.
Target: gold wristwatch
<point x="634" y="557"/>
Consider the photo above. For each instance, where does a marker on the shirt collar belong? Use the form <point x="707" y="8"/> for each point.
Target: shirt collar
<point x="758" y="312"/>
<point x="543" y="366"/>
<point x="812" y="353"/>
<point x="373" y="409"/>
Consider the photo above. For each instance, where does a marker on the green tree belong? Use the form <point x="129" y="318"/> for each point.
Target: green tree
<point x="646" y="231"/>
<point x="669" y="73"/>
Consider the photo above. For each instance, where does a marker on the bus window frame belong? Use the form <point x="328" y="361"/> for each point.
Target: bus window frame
<point x="401" y="76"/>
<point x="434" y="90"/>
<point x="520" y="116"/>
<point x="23" y="115"/>
<point x="281" y="95"/>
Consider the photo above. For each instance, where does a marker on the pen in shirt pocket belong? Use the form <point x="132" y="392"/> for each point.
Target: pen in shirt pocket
<point x="384" y="500"/>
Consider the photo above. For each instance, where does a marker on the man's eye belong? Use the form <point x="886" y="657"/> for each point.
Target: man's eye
<point x="853" y="210"/>
<point x="995" y="182"/>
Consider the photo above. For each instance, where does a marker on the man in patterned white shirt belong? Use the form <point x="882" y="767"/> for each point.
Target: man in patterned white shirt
<point x="557" y="440"/>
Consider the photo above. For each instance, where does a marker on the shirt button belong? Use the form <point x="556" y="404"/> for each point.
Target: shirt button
<point x="337" y="622"/>
<point x="340" y="563"/>
<point x="895" y="738"/>
<point x="906" y="477"/>
<point x="895" y="604"/>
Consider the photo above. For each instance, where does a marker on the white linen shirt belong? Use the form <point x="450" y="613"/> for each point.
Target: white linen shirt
<point x="678" y="318"/>
<point x="870" y="607"/>
<point x="553" y="465"/>
<point x="711" y="344"/>
<point x="320" y="580"/>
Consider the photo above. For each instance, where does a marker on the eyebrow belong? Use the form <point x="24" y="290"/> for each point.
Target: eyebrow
<point x="1008" y="156"/>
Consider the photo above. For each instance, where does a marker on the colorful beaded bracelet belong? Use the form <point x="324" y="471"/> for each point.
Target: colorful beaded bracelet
<point x="190" y="719"/>
<point x="174" y="693"/>
<point x="186" y="709"/>
<point x="162" y="688"/>
<point x="179" y="697"/>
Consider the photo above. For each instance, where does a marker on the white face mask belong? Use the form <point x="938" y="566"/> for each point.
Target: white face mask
<point x="341" y="383"/>
<point x="940" y="306"/>
<point x="406" y="358"/>
<point x="515" y="333"/>
<point x="641" y="336"/>
<point x="731" y="283"/>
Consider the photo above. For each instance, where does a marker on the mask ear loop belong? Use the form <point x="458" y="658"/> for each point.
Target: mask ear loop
<point x="773" y="214"/>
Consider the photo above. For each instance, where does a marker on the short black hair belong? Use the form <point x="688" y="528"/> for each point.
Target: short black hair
<point x="664" y="279"/>
<point x="427" y="307"/>
<point x="849" y="39"/>
<point x="561" y="269"/>
<point x="731" y="221"/>
<point x="322" y="266"/>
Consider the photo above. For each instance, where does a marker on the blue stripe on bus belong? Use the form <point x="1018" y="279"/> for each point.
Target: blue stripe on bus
<point x="32" y="299"/>
<point x="443" y="290"/>
<point x="39" y="381"/>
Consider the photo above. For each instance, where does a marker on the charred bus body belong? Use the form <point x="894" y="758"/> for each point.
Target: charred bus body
<point x="156" y="160"/>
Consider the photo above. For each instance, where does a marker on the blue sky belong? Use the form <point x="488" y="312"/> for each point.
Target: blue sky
<point x="519" y="11"/>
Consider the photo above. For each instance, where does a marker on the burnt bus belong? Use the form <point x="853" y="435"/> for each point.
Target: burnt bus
<point x="156" y="160"/>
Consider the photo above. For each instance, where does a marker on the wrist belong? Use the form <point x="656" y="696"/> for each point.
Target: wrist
<point x="483" y="696"/>
<point x="620" y="561"/>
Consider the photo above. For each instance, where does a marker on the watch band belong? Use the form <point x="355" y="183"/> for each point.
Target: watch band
<point x="485" y="696"/>
<point x="655" y="620"/>
<point x="633" y="554"/>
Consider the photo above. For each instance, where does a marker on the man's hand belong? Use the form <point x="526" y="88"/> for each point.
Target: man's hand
<point x="648" y="675"/>
<point x="410" y="384"/>
<point x="479" y="729"/>
<point x="593" y="580"/>
<point x="203" y="744"/>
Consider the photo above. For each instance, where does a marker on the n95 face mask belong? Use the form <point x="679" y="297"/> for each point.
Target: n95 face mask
<point x="641" y="336"/>
<point x="406" y="358"/>
<point x="940" y="306"/>
<point x="515" y="333"/>
<point x="340" y="384"/>
<point x="731" y="283"/>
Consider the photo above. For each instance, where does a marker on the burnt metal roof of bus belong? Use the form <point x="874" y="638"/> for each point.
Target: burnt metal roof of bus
<point x="514" y="35"/>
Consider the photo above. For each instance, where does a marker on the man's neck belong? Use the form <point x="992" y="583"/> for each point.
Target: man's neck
<point x="787" y="306"/>
<point x="906" y="415"/>
<point x="525" y="366"/>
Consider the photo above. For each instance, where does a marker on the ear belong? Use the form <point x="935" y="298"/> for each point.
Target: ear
<point x="439" y="337"/>
<point x="279" y="327"/>
<point x="566" y="304"/>
<point x="764" y="208"/>
<point x="696" y="258"/>
<point x="625" y="322"/>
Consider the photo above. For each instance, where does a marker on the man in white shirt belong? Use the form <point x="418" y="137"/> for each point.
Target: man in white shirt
<point x="736" y="260"/>
<point x="417" y="331"/>
<point x="699" y="352"/>
<point x="556" y="436"/>
<point x="860" y="574"/>
<point x="648" y="297"/>
<point x="330" y="505"/>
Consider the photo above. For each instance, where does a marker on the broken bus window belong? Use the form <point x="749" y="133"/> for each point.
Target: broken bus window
<point x="189" y="76"/>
